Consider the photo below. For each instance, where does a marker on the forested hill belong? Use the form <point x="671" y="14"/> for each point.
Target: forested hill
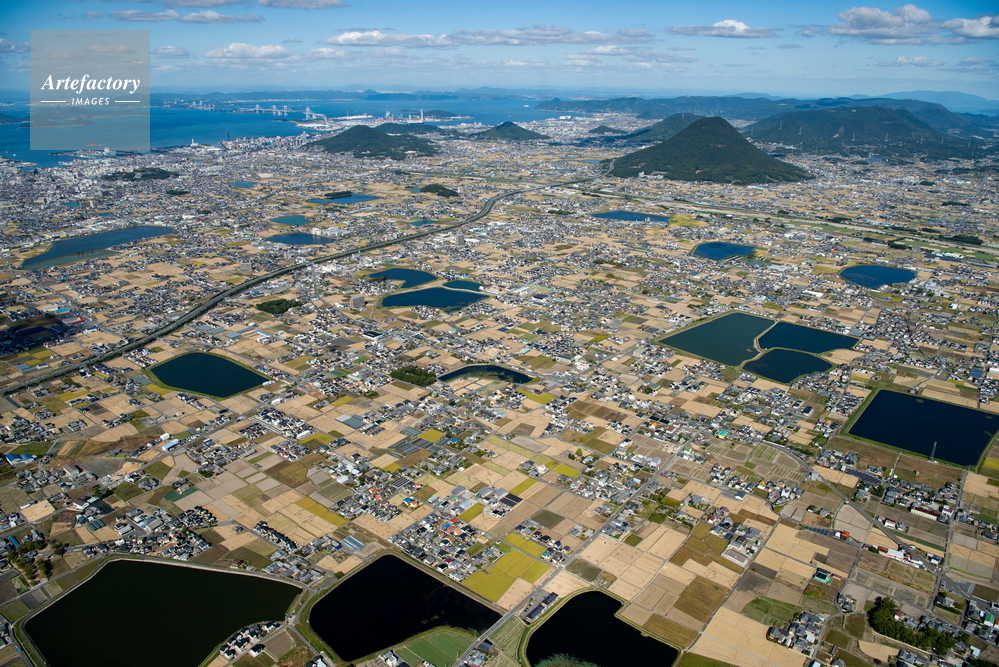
<point x="709" y="149"/>
<point x="859" y="131"/>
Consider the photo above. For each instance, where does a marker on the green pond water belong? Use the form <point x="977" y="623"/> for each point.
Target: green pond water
<point x="153" y="614"/>
<point x="206" y="374"/>
<point x="732" y="340"/>
<point x="727" y="340"/>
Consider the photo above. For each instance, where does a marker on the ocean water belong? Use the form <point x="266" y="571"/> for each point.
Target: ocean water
<point x="178" y="127"/>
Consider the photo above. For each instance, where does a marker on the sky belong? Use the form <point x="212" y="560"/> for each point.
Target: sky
<point x="777" y="47"/>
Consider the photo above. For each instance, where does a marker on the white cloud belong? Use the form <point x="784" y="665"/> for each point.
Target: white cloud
<point x="292" y="40"/>
<point x="908" y="24"/>
<point x="535" y="35"/>
<point x="918" y="61"/>
<point x="548" y="34"/>
<point x="90" y="16"/>
<point x="171" y="52"/>
<point x="209" y="16"/>
<point x="985" y="26"/>
<point x="726" y="28"/>
<point x="611" y="50"/>
<point x="379" y="38"/>
<point x="303" y="4"/>
<point x="250" y="52"/>
<point x="788" y="45"/>
<point x="582" y="60"/>
<point x="326" y="53"/>
<point x="136" y="15"/>
<point x="7" y="46"/>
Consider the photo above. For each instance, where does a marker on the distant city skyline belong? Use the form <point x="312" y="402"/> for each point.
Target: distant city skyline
<point x="783" y="48"/>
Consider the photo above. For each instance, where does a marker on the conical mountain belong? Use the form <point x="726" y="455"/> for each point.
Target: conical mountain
<point x="708" y="150"/>
<point x="605" y="129"/>
<point x="509" y="132"/>
<point x="365" y="142"/>
<point x="664" y="129"/>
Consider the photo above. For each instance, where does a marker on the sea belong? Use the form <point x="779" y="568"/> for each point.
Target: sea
<point x="180" y="126"/>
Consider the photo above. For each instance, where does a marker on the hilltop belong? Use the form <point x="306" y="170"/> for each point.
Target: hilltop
<point x="366" y="142"/>
<point x="664" y="129"/>
<point x="606" y="129"/>
<point x="410" y="128"/>
<point x="708" y="150"/>
<point x="858" y="131"/>
<point x="508" y="132"/>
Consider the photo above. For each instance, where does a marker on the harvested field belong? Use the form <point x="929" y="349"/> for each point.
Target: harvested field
<point x="700" y="599"/>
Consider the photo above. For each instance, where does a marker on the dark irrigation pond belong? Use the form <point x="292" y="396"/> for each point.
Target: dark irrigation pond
<point x="409" y="277"/>
<point x="420" y="223"/>
<point x="206" y="374"/>
<point x="631" y="216"/>
<point x="586" y="628"/>
<point x="732" y="340"/>
<point x="293" y="220"/>
<point x="301" y="238"/>
<point x="874" y="275"/>
<point x="81" y="246"/>
<point x="487" y="371"/>
<point x="717" y="250"/>
<point x="914" y="423"/>
<point x="786" y="365"/>
<point x="346" y="199"/>
<point x="805" y="339"/>
<point x="243" y="184"/>
<point x="388" y="602"/>
<point x="448" y="300"/>
<point x="153" y="614"/>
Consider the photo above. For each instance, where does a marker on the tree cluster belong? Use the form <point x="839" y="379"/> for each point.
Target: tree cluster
<point x="882" y="619"/>
<point x="278" y="306"/>
<point x="413" y="375"/>
<point x="439" y="190"/>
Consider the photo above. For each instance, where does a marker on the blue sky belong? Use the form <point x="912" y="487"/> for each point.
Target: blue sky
<point x="634" y="46"/>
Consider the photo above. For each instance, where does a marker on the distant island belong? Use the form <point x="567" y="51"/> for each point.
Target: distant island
<point x="509" y="132"/>
<point x="5" y="119"/>
<point x="365" y="142"/>
<point x="712" y="150"/>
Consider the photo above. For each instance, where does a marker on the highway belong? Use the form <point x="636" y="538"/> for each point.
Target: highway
<point x="203" y="308"/>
